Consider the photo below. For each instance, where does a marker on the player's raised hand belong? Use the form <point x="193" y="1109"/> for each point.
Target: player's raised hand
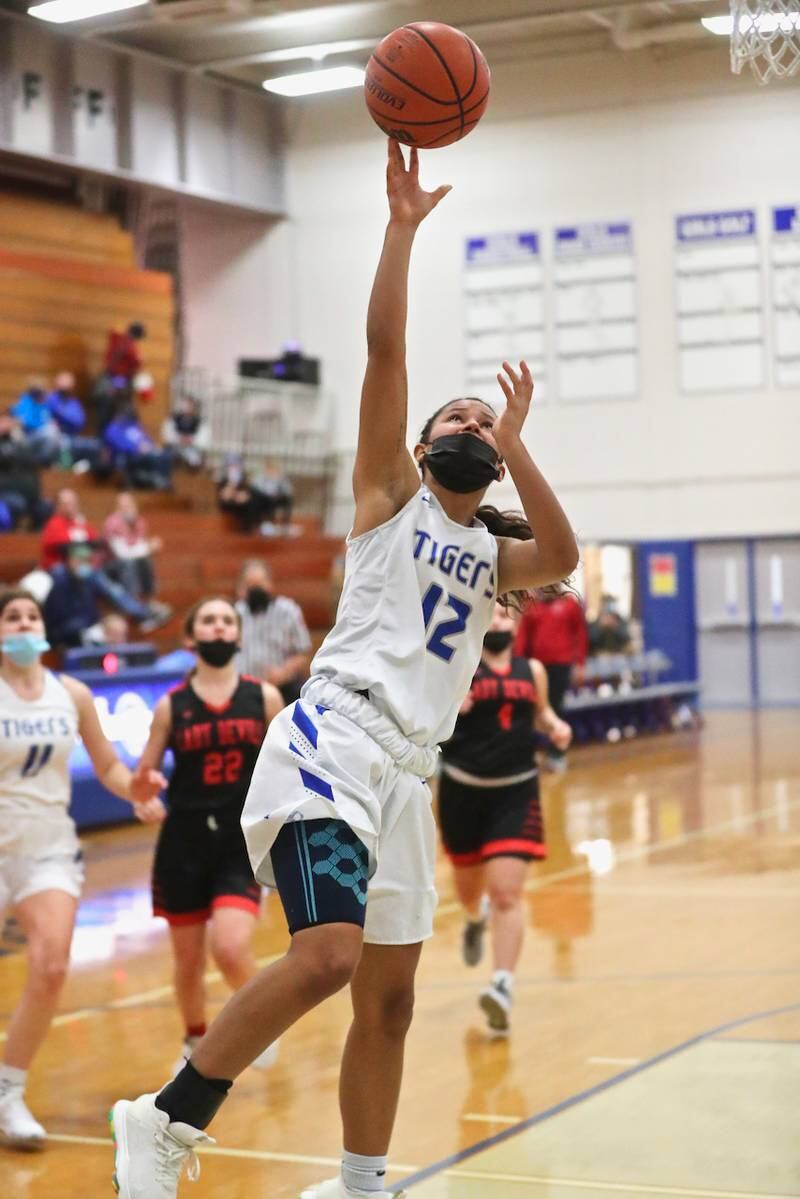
<point x="408" y="202"/>
<point x="517" y="387"/>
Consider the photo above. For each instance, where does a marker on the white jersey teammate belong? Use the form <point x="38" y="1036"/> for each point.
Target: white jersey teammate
<point x="338" y="814"/>
<point x="41" y="867"/>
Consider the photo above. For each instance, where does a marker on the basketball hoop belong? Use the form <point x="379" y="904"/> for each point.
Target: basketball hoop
<point x="766" y="34"/>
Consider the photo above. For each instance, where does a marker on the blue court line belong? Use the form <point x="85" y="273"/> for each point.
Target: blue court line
<point x="757" y="1040"/>
<point x="453" y="1160"/>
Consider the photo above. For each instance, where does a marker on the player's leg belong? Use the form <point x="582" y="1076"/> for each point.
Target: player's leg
<point x="156" y="1133"/>
<point x="231" y="941"/>
<point x="505" y="879"/>
<point x="402" y="900"/>
<point x="182" y="894"/>
<point x="47" y="919"/>
<point x="231" y="944"/>
<point x="188" y="977"/>
<point x="461" y="826"/>
<point x="514" y="839"/>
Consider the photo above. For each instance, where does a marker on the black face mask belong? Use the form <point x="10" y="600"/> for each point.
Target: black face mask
<point x="497" y="640"/>
<point x="462" y="462"/>
<point x="217" y="652"/>
<point x="258" y="599"/>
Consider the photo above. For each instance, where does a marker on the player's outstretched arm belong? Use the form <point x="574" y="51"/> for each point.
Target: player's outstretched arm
<point x="384" y="476"/>
<point x="553" y="554"/>
<point x="140" y="787"/>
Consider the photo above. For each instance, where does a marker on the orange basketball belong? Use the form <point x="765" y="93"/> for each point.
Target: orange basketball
<point x="427" y="84"/>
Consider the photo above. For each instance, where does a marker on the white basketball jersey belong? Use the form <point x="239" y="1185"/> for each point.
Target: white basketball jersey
<point x="36" y="739"/>
<point x="418" y="596"/>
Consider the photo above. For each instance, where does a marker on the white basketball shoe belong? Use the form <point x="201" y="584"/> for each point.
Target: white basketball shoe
<point x="334" y="1188"/>
<point x="18" y="1129"/>
<point x="150" y="1153"/>
<point x="496" y="1002"/>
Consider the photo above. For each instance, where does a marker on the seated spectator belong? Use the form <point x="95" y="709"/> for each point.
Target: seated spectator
<point x="609" y="634"/>
<point x="36" y="421"/>
<point x="135" y="454"/>
<point x="275" y="643"/>
<point x="113" y="629"/>
<point x="273" y="497"/>
<point x="68" y="527"/>
<point x="20" y="488"/>
<point x="235" y="494"/>
<point x="131" y="547"/>
<point x="70" y="416"/>
<point x="186" y="433"/>
<point x="110" y="394"/>
<point x="71" y="605"/>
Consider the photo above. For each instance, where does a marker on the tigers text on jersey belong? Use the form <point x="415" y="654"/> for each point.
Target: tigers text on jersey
<point x="215" y="749"/>
<point x="496" y="738"/>
<point x="418" y="596"/>
<point x="36" y="739"/>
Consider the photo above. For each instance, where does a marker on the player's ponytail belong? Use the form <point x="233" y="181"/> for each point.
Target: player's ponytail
<point x="515" y="524"/>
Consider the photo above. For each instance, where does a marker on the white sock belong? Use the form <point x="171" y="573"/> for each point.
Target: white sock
<point x="10" y="1077"/>
<point x="366" y="1174"/>
<point x="506" y="977"/>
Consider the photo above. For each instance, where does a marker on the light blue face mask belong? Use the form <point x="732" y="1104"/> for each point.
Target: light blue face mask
<point x="24" y="648"/>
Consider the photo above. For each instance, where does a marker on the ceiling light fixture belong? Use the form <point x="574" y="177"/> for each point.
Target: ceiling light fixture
<point x="767" y="22"/>
<point x="309" y="83"/>
<point x="60" y="12"/>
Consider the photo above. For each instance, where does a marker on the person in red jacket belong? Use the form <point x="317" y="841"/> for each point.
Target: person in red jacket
<point x="68" y="527"/>
<point x="553" y="630"/>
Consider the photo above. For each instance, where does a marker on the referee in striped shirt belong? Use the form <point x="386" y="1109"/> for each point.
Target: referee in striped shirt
<point x="276" y="646"/>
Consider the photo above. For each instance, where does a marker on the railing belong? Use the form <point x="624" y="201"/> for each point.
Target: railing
<point x="290" y="424"/>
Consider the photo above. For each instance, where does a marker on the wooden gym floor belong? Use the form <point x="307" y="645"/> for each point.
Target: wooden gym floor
<point x="656" y="1041"/>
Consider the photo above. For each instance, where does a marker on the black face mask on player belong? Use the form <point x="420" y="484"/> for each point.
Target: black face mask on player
<point x="496" y="640"/>
<point x="217" y="652"/>
<point x="462" y="462"/>
<point x="258" y="599"/>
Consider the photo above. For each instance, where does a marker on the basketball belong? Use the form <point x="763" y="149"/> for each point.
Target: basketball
<point x="427" y="84"/>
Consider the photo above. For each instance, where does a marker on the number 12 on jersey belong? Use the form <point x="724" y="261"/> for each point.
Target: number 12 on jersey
<point x="436" y="643"/>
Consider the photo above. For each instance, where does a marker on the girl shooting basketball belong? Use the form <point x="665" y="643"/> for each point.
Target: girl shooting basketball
<point x="338" y="814"/>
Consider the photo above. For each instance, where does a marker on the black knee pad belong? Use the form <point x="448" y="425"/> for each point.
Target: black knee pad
<point x="321" y="870"/>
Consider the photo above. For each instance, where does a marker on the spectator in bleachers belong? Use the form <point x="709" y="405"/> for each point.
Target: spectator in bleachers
<point x="68" y="527"/>
<point x="76" y="449"/>
<point x="113" y="629"/>
<point x="110" y="394"/>
<point x="273" y="497"/>
<point x="276" y="645"/>
<point x="553" y="629"/>
<point x="122" y="359"/>
<point x="134" y="453"/>
<point x="609" y="634"/>
<point x="71" y="604"/>
<point x="186" y="433"/>
<point x="131" y="547"/>
<point x="36" y="421"/>
<point x="20" y="488"/>
<point x="235" y="493"/>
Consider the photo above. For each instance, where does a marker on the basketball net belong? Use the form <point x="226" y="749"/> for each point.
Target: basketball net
<point x="766" y="34"/>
